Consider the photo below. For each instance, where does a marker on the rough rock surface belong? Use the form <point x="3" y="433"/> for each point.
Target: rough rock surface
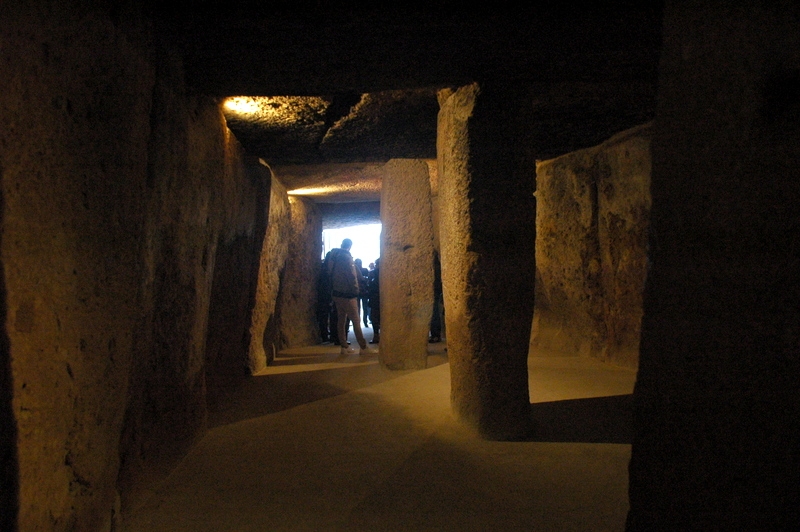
<point x="332" y="183"/>
<point x="167" y="408"/>
<point x="74" y="175"/>
<point x="487" y="245"/>
<point x="385" y="125"/>
<point x="117" y="189"/>
<point x="279" y="128"/>
<point x="592" y="216"/>
<point x="235" y="273"/>
<point x="264" y="334"/>
<point x="344" y="127"/>
<point x="336" y="215"/>
<point x="298" y="301"/>
<point x="406" y="264"/>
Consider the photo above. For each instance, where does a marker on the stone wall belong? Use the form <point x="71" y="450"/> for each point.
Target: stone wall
<point x="75" y="102"/>
<point x="166" y="404"/>
<point x="298" y="302"/>
<point x="118" y="188"/>
<point x="716" y="403"/>
<point x="264" y="333"/>
<point x="591" y="250"/>
<point x="245" y="193"/>
<point x="200" y="195"/>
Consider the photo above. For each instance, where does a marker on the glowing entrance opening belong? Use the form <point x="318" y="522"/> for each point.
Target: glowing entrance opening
<point x="366" y="241"/>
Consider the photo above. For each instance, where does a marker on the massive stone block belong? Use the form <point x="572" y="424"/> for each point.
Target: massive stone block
<point x="245" y="195"/>
<point x="116" y="192"/>
<point x="75" y="99"/>
<point x="199" y="196"/>
<point x="592" y="214"/>
<point x="202" y="202"/>
<point x="406" y="264"/>
<point x="717" y="409"/>
<point x="264" y="333"/>
<point x="298" y="302"/>
<point x="487" y="252"/>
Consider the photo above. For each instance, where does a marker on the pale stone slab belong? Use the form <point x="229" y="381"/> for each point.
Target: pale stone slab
<point x="406" y="264"/>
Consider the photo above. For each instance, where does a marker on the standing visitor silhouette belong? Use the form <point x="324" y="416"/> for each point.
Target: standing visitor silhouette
<point x="345" y="291"/>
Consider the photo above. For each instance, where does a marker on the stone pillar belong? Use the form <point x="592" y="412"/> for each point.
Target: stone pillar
<point x="716" y="403"/>
<point x="406" y="264"/>
<point x="487" y="250"/>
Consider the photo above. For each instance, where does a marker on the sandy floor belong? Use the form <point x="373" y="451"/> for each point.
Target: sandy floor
<point x="321" y="442"/>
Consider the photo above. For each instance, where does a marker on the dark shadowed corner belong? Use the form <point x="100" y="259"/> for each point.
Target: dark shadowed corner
<point x="586" y="420"/>
<point x="9" y="478"/>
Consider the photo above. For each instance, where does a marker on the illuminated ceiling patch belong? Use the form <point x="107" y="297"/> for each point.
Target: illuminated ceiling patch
<point x="283" y="111"/>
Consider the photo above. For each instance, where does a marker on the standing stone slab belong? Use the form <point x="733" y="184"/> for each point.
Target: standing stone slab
<point x="406" y="264"/>
<point x="236" y="270"/>
<point x="716" y="403"/>
<point x="592" y="214"/>
<point x="73" y="179"/>
<point x="487" y="242"/>
<point x="298" y="301"/>
<point x="263" y="328"/>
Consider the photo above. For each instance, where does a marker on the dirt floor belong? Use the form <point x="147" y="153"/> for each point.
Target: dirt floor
<point x="320" y="441"/>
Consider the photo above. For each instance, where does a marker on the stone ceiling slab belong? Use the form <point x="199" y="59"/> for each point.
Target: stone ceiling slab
<point x="332" y="183"/>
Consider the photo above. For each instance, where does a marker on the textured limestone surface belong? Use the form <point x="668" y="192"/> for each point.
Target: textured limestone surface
<point x="245" y="195"/>
<point x="166" y="408"/>
<point x="592" y="215"/>
<point x="384" y="125"/>
<point x="289" y="127"/>
<point x="331" y="182"/>
<point x="344" y="127"/>
<point x="487" y="218"/>
<point x="204" y="196"/>
<point x="336" y="215"/>
<point x="433" y="171"/>
<point x="75" y="98"/>
<point x="117" y="189"/>
<point x="406" y="264"/>
<point x="264" y="333"/>
<point x="298" y="294"/>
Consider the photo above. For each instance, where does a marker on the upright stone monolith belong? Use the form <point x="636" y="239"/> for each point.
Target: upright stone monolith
<point x="716" y="403"/>
<point x="487" y="242"/>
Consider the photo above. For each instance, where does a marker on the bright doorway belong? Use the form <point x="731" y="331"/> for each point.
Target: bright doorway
<point x="366" y="241"/>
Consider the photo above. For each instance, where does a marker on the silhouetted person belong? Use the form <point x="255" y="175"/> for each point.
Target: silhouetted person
<point x="438" y="302"/>
<point x="363" y="298"/>
<point x="345" y="292"/>
<point x="324" y="301"/>
<point x="374" y="293"/>
<point x="368" y="275"/>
